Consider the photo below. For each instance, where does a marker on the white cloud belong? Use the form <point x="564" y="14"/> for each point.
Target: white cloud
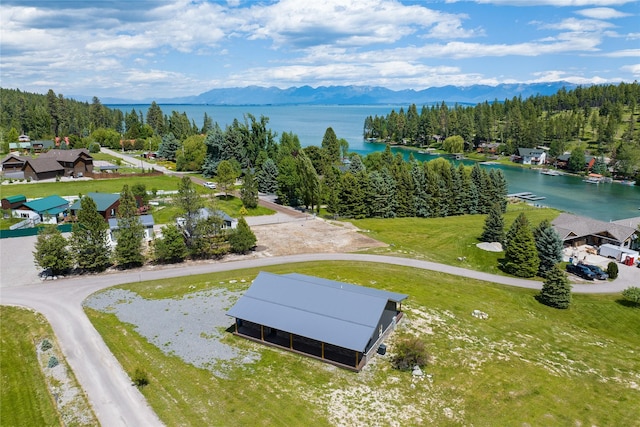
<point x="573" y="24"/>
<point x="602" y="13"/>
<point x="633" y="69"/>
<point x="558" y="3"/>
<point x="630" y="53"/>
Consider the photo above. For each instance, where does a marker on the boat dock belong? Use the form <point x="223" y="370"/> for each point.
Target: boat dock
<point x="526" y="196"/>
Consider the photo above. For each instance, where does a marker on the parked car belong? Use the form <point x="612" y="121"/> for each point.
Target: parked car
<point x="581" y="271"/>
<point x="210" y="185"/>
<point x="597" y="271"/>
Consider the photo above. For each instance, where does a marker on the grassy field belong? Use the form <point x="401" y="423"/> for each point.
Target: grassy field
<point x="449" y="240"/>
<point x="527" y="364"/>
<point x="73" y="188"/>
<point x="25" y="399"/>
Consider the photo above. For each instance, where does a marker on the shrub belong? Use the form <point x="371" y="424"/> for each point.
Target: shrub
<point x="409" y="351"/>
<point x="140" y="378"/>
<point x="612" y="270"/>
<point x="46" y="345"/>
<point x="53" y="362"/>
<point x="632" y="294"/>
<point x="94" y="147"/>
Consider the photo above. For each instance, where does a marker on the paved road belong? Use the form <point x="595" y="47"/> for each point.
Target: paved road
<point x="115" y="400"/>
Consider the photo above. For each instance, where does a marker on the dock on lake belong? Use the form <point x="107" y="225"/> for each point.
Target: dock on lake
<point x="526" y="196"/>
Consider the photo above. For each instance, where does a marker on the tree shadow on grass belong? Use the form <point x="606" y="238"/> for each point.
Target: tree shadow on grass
<point x="626" y="303"/>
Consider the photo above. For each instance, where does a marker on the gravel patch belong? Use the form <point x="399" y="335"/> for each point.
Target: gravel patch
<point x="190" y="328"/>
<point x="491" y="247"/>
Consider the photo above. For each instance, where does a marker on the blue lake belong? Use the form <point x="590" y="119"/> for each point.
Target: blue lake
<point x="607" y="201"/>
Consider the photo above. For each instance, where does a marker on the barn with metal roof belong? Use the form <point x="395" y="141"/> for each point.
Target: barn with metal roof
<point x="336" y="322"/>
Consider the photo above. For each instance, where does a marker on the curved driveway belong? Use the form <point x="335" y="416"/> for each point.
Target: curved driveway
<point x="115" y="401"/>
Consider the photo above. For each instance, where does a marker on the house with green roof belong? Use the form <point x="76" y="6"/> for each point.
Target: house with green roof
<point x="13" y="202"/>
<point x="106" y="203"/>
<point x="50" y="210"/>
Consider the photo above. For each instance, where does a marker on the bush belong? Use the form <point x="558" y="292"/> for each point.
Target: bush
<point x="140" y="378"/>
<point x="409" y="352"/>
<point x="612" y="270"/>
<point x="94" y="147"/>
<point x="53" y="362"/>
<point x="632" y="294"/>
<point x="46" y="345"/>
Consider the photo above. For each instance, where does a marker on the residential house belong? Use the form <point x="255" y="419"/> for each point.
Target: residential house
<point x="48" y="165"/>
<point x="146" y="221"/>
<point x="41" y="145"/>
<point x="204" y="213"/>
<point x="577" y="230"/>
<point x="13" y="202"/>
<point x="336" y="322"/>
<point x="42" y="168"/>
<point x="488" y="148"/>
<point x="531" y="156"/>
<point x="75" y="162"/>
<point x="106" y="203"/>
<point x="49" y="210"/>
<point x="562" y="161"/>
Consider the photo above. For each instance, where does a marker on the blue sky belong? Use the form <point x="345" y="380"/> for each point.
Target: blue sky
<point x="139" y="49"/>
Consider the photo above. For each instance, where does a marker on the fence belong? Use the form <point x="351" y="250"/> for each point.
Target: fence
<point x="6" y="234"/>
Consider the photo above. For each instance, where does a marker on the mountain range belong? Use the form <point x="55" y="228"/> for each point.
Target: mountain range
<point x="355" y="95"/>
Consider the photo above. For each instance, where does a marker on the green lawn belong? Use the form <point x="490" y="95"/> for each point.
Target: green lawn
<point x="449" y="240"/>
<point x="528" y="364"/>
<point x="25" y="399"/>
<point x="74" y="188"/>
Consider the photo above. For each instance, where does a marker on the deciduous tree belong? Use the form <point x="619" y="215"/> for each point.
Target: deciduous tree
<point x="249" y="190"/>
<point x="226" y="176"/>
<point x="170" y="248"/>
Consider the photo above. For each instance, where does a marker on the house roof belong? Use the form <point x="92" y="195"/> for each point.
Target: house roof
<point x="66" y="155"/>
<point x="571" y="226"/>
<point x="530" y="152"/>
<point x="51" y="205"/>
<point x="103" y="201"/>
<point x="41" y="165"/>
<point x="145" y="220"/>
<point x="332" y="312"/>
<point x="12" y="157"/>
<point x="15" y="199"/>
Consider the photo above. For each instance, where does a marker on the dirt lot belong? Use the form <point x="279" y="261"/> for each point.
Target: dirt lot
<point x="310" y="236"/>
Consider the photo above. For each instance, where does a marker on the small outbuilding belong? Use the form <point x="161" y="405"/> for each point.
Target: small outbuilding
<point x="336" y="322"/>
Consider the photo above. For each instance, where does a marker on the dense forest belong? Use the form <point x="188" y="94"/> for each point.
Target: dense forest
<point x="600" y="118"/>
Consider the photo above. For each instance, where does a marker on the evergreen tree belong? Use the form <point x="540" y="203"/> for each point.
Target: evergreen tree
<point x="521" y="255"/>
<point x="288" y="188"/>
<point x="309" y="181"/>
<point x="420" y="196"/>
<point x="351" y="197"/>
<point x="268" y="177"/>
<point x="89" y="244"/>
<point x="493" y="225"/>
<point x="549" y="246"/>
<point x="382" y="194"/>
<point x="209" y="239"/>
<point x="249" y="190"/>
<point x="556" y="290"/>
<point x="331" y="145"/>
<point x="168" y="147"/>
<point x="189" y="204"/>
<point x="356" y="164"/>
<point x="331" y="189"/>
<point x="498" y="188"/>
<point x="170" y="248"/>
<point x="242" y="239"/>
<point x="128" y="251"/>
<point x="215" y="142"/>
<point x="51" y="251"/>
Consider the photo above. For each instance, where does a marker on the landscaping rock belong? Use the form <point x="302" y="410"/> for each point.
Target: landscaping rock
<point x="480" y="314"/>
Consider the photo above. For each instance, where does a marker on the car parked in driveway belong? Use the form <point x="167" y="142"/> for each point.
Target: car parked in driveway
<point x="581" y="271"/>
<point x="210" y="185"/>
<point x="597" y="271"/>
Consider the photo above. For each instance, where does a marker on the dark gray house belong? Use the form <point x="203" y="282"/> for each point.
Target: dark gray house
<point x="336" y="322"/>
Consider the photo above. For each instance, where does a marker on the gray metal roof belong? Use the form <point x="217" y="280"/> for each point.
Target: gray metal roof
<point x="145" y="220"/>
<point x="336" y="313"/>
